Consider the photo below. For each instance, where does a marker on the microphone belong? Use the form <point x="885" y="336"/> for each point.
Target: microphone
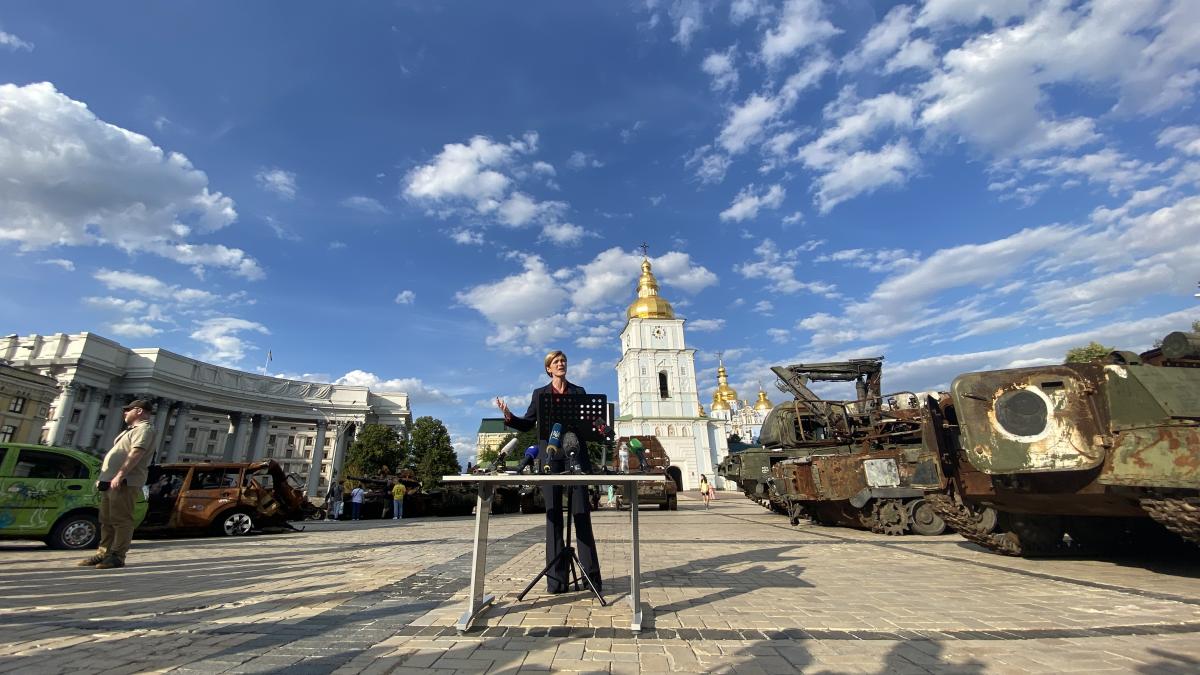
<point x="554" y="443"/>
<point x="502" y="455"/>
<point x="571" y="448"/>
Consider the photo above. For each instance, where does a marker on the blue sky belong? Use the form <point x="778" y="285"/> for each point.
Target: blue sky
<point x="425" y="196"/>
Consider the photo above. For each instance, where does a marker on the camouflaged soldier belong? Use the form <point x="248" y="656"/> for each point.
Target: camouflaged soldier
<point x="122" y="476"/>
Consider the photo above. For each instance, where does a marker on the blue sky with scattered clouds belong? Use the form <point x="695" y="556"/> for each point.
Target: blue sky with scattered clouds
<point x="425" y="196"/>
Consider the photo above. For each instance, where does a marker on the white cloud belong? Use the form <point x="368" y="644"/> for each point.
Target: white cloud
<point x="593" y="341"/>
<point x="146" y="285"/>
<point x="280" y="230"/>
<point x="110" y="303"/>
<point x="582" y="160"/>
<point x="864" y="172"/>
<point x="688" y="17"/>
<point x="14" y="43"/>
<point x="779" y="335"/>
<point x="537" y="307"/>
<point x="337" y="245"/>
<point x="919" y="54"/>
<point x="563" y="234"/>
<point x="1183" y="139"/>
<point x="719" y="66"/>
<point x="705" y="325"/>
<point x="1143" y="53"/>
<point x="801" y="24"/>
<point x="70" y="179"/>
<point x="466" y="237"/>
<point x="710" y="167"/>
<point x="764" y="307"/>
<point x="520" y="305"/>
<point x="275" y="180"/>
<point x="468" y="171"/>
<point x="418" y="392"/>
<point x="222" y="338"/>
<point x="628" y="133"/>
<point x="883" y="260"/>
<point x="405" y="297"/>
<point x="59" y="262"/>
<point x="133" y="329"/>
<point x="364" y="204"/>
<point x="884" y="39"/>
<point x="471" y="180"/>
<point x="544" y="168"/>
<point x="779" y="269"/>
<point x="748" y="203"/>
<point x="746" y="122"/>
<point x="936" y="372"/>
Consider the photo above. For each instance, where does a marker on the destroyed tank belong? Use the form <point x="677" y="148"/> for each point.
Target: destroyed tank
<point x="867" y="463"/>
<point x="663" y="494"/>
<point x="1079" y="456"/>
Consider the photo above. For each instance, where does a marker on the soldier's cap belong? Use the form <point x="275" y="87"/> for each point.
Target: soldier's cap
<point x="144" y="404"/>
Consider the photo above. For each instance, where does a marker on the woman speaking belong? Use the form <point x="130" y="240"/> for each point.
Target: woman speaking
<point x="585" y="542"/>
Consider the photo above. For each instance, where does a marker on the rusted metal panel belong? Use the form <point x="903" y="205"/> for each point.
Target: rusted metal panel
<point x="881" y="472"/>
<point x="1030" y="420"/>
<point x="839" y="477"/>
<point x="1162" y="456"/>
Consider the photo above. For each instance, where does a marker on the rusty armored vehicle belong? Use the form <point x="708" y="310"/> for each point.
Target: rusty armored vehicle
<point x="228" y="498"/>
<point x="440" y="500"/>
<point x="863" y="463"/>
<point x="664" y="494"/>
<point x="1077" y="456"/>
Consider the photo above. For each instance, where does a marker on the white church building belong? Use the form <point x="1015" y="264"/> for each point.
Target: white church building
<point x="656" y="384"/>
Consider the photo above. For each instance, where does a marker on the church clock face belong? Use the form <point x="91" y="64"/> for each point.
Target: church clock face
<point x="659" y="333"/>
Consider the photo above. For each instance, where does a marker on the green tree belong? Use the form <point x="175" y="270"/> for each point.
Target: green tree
<point x="433" y="454"/>
<point x="1196" y="326"/>
<point x="1093" y="351"/>
<point x="376" y="449"/>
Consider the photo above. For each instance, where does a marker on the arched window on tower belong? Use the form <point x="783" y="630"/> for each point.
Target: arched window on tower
<point x="663" y="390"/>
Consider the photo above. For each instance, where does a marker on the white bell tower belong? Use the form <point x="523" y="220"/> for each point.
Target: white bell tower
<point x="656" y="383"/>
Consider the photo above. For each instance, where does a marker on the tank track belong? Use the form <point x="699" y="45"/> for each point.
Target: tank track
<point x="1179" y="515"/>
<point x="966" y="523"/>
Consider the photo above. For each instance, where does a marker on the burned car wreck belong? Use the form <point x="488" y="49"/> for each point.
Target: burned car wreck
<point x="227" y="498"/>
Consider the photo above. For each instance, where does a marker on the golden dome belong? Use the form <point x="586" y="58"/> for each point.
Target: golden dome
<point x="718" y="403"/>
<point x="725" y="391"/>
<point x="763" y="403"/>
<point x="700" y="410"/>
<point x="649" y="304"/>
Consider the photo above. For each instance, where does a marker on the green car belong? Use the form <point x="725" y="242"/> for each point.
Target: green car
<point x="50" y="494"/>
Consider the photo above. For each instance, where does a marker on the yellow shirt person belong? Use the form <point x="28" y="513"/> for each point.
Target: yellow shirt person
<point x="398" y="492"/>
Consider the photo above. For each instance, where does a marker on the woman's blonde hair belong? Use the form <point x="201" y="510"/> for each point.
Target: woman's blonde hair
<point x="551" y="356"/>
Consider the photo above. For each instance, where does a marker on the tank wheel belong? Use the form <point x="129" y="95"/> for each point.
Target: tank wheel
<point x="796" y="513"/>
<point x="890" y="518"/>
<point x="234" y="524"/>
<point x="923" y="519"/>
<point x="985" y="519"/>
<point x="672" y="503"/>
<point x="1034" y="535"/>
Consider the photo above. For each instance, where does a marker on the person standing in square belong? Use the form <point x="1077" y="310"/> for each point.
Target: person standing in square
<point x="125" y="470"/>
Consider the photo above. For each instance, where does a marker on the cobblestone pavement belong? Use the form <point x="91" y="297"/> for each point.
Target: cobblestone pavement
<point x="732" y="589"/>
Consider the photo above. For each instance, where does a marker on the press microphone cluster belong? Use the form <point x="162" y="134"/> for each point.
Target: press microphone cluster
<point x="571" y="449"/>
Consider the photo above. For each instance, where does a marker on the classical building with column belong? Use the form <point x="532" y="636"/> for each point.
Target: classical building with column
<point x="25" y="400"/>
<point x="656" y="381"/>
<point x="203" y="412"/>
